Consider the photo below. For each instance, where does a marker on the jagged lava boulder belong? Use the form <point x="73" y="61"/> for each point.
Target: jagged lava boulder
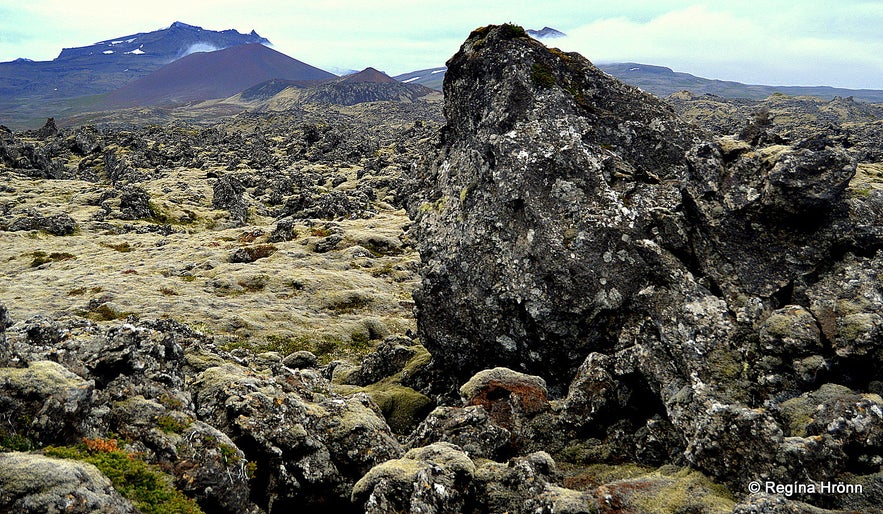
<point x="532" y="223"/>
<point x="657" y="278"/>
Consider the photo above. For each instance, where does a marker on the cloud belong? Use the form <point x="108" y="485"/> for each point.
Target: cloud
<point x="199" y="47"/>
<point x="733" y="45"/>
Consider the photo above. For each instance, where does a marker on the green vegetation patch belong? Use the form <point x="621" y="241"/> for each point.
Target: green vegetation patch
<point x="541" y="75"/>
<point x="148" y="488"/>
<point x="104" y="312"/>
<point x="512" y="31"/>
<point x="123" y="247"/>
<point x="172" y="424"/>
<point x="41" y="258"/>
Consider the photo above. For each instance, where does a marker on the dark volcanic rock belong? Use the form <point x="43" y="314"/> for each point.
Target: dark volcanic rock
<point x="681" y="288"/>
<point x="229" y="195"/>
<point x="540" y="220"/>
<point x="59" y="224"/>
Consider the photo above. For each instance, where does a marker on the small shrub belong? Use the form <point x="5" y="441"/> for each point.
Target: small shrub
<point x="252" y="253"/>
<point x="101" y="445"/>
<point x="15" y="442"/>
<point x="104" y="312"/>
<point x="512" y="31"/>
<point x="320" y="232"/>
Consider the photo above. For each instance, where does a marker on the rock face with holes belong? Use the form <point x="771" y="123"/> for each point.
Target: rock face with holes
<point x="672" y="289"/>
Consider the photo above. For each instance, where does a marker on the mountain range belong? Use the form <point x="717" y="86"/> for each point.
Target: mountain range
<point x="185" y="63"/>
<point x="662" y="81"/>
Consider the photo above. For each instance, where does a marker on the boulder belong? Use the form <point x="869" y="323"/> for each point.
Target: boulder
<point x="59" y="224"/>
<point x="228" y="195"/>
<point x="44" y="403"/>
<point x="34" y="484"/>
<point x="433" y="478"/>
<point x="312" y="445"/>
<point x="530" y="225"/>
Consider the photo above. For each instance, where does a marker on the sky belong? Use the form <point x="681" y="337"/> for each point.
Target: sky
<point x="775" y="42"/>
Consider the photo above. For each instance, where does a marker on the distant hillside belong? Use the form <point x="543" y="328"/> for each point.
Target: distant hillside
<point x="368" y="75"/>
<point x="209" y="75"/>
<point x="368" y="85"/>
<point x="662" y="81"/>
<point x="431" y="77"/>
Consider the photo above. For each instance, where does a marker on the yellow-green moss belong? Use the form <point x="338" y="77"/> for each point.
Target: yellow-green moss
<point x="148" y="488"/>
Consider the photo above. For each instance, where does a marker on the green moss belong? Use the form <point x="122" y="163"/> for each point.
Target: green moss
<point x="41" y="258"/>
<point x="172" y="424"/>
<point x="159" y="215"/>
<point x="402" y="406"/>
<point x="123" y="247"/>
<point x="348" y="301"/>
<point x="254" y="283"/>
<point x="148" y="488"/>
<point x="512" y="31"/>
<point x="541" y="75"/>
<point x="320" y="232"/>
<point x="685" y="491"/>
<point x="798" y="413"/>
<point x="104" y="312"/>
<point x="588" y="477"/>
<point x="436" y="206"/>
<point x="15" y="442"/>
<point x="664" y="490"/>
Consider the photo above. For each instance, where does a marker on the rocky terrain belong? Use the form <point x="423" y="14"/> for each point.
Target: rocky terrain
<point x="554" y="294"/>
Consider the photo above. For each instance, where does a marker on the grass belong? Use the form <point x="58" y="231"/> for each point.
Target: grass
<point x="148" y="488"/>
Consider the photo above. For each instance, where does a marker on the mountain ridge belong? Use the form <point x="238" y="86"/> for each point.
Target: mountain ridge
<point x="662" y="81"/>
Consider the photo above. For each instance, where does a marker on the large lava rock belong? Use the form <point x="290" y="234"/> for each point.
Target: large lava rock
<point x="683" y="287"/>
<point x="533" y="223"/>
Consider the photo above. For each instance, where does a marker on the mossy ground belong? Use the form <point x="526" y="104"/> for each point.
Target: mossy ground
<point x="315" y="301"/>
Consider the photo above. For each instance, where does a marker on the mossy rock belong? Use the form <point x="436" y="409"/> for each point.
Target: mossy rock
<point x="402" y="407"/>
<point x="664" y="490"/>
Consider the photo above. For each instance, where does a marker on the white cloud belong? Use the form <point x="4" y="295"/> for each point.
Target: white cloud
<point x="735" y="46"/>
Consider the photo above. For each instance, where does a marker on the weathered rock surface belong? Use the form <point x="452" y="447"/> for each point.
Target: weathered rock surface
<point x="312" y="446"/>
<point x="672" y="288"/>
<point x="44" y="402"/>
